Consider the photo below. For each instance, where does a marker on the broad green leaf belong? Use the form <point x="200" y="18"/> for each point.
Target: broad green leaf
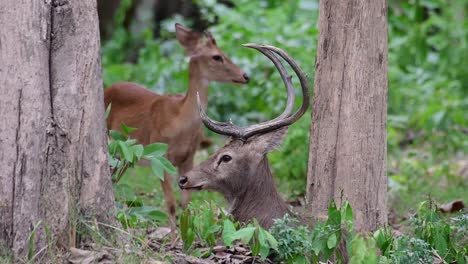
<point x="300" y="259"/>
<point x="167" y="165"/>
<point x="116" y="135"/>
<point x="130" y="142"/>
<point x="331" y="242"/>
<point x="244" y="234"/>
<point x="126" y="129"/>
<point x="112" y="147"/>
<point x="228" y="232"/>
<point x="149" y="213"/>
<point x="347" y="216"/>
<point x="334" y="216"/>
<point x="265" y="243"/>
<point x="127" y="153"/>
<point x="158" y="168"/>
<point x="271" y="240"/>
<point x="155" y="150"/>
<point x="137" y="151"/>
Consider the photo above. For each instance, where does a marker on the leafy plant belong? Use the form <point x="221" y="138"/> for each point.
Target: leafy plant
<point x="131" y="212"/>
<point x="431" y="227"/>
<point x="210" y="225"/>
<point x="294" y="240"/>
<point x="124" y="152"/>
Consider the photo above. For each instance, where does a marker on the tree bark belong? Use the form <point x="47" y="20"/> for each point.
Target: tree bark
<point x="347" y="155"/>
<point x="53" y="161"/>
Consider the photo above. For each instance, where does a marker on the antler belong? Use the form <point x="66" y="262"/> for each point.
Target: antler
<point x="285" y="119"/>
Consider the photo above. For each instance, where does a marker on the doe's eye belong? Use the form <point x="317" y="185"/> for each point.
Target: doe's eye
<point x="217" y="58"/>
<point x="225" y="158"/>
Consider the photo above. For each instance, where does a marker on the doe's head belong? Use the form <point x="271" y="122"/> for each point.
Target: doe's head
<point x="212" y="63"/>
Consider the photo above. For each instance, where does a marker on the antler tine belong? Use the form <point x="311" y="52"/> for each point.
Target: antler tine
<point x="276" y="123"/>
<point x="302" y="80"/>
<point x="287" y="79"/>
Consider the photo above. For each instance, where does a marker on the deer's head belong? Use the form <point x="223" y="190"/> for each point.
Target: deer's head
<point x="212" y="63"/>
<point x="240" y="169"/>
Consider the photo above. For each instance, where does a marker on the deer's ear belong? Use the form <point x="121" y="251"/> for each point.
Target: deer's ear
<point x="187" y="38"/>
<point x="269" y="141"/>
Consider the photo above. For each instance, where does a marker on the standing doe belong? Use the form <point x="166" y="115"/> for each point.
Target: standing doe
<point x="240" y="170"/>
<point x="173" y="119"/>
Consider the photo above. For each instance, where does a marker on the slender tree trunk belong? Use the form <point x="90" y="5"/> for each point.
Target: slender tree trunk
<point x="53" y="162"/>
<point x="347" y="157"/>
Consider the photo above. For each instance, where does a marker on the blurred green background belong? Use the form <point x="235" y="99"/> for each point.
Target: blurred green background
<point x="428" y="83"/>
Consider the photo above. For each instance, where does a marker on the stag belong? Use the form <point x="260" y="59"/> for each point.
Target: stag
<point x="240" y="170"/>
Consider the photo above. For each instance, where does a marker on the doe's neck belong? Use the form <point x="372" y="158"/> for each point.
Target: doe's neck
<point x="198" y="84"/>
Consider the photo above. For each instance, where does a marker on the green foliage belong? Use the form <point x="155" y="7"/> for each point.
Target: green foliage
<point x="210" y="225"/>
<point x="293" y="239"/>
<point x="362" y="250"/>
<point x="432" y="227"/>
<point x="124" y="152"/>
<point x="297" y="244"/>
<point x="131" y="212"/>
<point x="410" y="250"/>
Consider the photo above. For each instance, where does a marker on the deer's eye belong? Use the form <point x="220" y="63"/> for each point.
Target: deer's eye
<point x="225" y="158"/>
<point x="217" y="58"/>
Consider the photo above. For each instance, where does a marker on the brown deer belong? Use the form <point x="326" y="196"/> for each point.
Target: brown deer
<point x="240" y="170"/>
<point x="174" y="119"/>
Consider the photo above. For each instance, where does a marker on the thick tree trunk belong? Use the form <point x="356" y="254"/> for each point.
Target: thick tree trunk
<point x="347" y="157"/>
<point x="53" y="162"/>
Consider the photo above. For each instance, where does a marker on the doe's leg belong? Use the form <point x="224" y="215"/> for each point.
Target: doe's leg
<point x="185" y="167"/>
<point x="170" y="204"/>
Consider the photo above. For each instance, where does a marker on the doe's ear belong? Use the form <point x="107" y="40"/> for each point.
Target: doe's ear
<point x="187" y="38"/>
<point x="269" y="141"/>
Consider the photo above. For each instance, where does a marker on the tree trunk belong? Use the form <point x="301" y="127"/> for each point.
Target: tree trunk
<point x="53" y="162"/>
<point x="347" y="156"/>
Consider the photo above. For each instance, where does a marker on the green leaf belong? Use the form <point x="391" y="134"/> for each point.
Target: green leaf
<point x="334" y="216"/>
<point x="271" y="239"/>
<point x="244" y="234"/>
<point x="137" y="151"/>
<point x="331" y="242"/>
<point x="228" y="232"/>
<point x="347" y="215"/>
<point x="126" y="129"/>
<point x="186" y="231"/>
<point x="155" y="150"/>
<point x="127" y="153"/>
<point x="167" y="165"/>
<point x="32" y="240"/>
<point x="116" y="135"/>
<point x="158" y="168"/>
<point x="149" y="213"/>
<point x="266" y="241"/>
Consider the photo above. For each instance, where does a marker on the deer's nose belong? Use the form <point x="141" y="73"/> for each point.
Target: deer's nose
<point x="246" y="77"/>
<point x="182" y="181"/>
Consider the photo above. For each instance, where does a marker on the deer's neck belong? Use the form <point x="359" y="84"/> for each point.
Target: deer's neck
<point x="259" y="199"/>
<point x="197" y="85"/>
